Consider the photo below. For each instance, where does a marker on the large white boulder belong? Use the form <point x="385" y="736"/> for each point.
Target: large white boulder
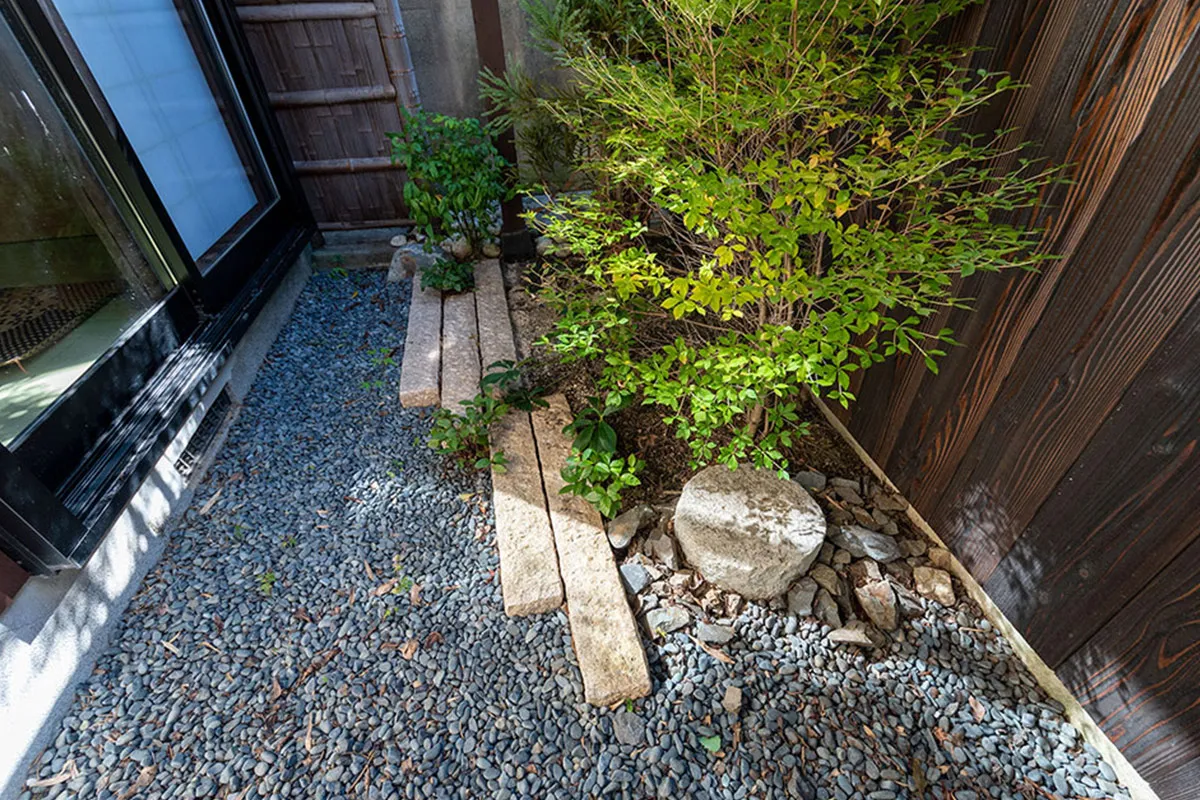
<point x="748" y="530"/>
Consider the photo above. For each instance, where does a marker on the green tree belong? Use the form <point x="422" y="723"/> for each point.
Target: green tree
<point x="785" y="194"/>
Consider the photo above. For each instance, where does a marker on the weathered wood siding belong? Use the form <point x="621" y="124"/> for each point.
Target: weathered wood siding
<point x="1057" y="450"/>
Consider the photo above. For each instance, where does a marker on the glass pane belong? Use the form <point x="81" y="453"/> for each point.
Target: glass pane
<point x="71" y="279"/>
<point x="163" y="80"/>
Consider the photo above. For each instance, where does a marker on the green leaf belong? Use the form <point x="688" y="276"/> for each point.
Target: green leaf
<point x="711" y="743"/>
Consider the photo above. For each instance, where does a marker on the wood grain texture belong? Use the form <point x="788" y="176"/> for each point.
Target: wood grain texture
<point x="1091" y="336"/>
<point x="1056" y="450"/>
<point x="1125" y="510"/>
<point x="1138" y="678"/>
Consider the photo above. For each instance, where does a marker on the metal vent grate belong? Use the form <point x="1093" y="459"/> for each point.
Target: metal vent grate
<point x="206" y="431"/>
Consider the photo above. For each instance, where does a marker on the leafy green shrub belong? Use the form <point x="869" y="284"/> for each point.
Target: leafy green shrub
<point x="464" y="435"/>
<point x="448" y="275"/>
<point x="549" y="151"/>
<point x="599" y="476"/>
<point x="625" y="28"/>
<point x="505" y="379"/>
<point x="455" y="176"/>
<point x="785" y="195"/>
<point x="589" y="428"/>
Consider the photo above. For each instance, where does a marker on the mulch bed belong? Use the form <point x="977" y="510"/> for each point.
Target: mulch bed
<point x="640" y="429"/>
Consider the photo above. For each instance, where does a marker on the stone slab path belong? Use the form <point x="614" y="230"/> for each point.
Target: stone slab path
<point x="327" y="623"/>
<point x="604" y="634"/>
<point x="460" y="351"/>
<point x="529" y="574"/>
<point x="545" y="539"/>
<point x="420" y="372"/>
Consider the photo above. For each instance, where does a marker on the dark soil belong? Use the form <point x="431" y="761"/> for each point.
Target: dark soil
<point x="640" y="429"/>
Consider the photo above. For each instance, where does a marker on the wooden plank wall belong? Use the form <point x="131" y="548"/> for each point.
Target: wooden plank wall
<point x="1057" y="450"/>
<point x="331" y="86"/>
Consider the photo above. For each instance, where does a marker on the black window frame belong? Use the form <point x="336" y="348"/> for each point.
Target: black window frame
<point x="84" y="457"/>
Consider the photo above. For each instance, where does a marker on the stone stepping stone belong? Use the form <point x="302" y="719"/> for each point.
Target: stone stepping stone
<point x="529" y="579"/>
<point x="496" y="341"/>
<point x="421" y="367"/>
<point x="607" y="644"/>
<point x="460" y="351"/>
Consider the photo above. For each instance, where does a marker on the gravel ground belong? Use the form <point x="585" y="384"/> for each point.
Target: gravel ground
<point x="278" y="649"/>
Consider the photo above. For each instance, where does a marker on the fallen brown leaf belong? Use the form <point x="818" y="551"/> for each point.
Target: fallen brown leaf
<point x="145" y="778"/>
<point x="918" y="776"/>
<point x="385" y="587"/>
<point x="276" y="689"/>
<point x="370" y="572"/>
<point x="433" y="639"/>
<point x="409" y="649"/>
<point x="719" y="655"/>
<point x="212" y="501"/>
<point x="68" y="772"/>
<point x="308" y="742"/>
<point x="414" y="594"/>
<point x="977" y="709"/>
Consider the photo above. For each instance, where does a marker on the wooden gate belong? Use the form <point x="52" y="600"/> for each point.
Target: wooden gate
<point x="1058" y="452"/>
<point x="337" y="78"/>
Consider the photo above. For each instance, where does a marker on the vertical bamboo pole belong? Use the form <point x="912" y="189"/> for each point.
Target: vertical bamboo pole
<point x="396" y="53"/>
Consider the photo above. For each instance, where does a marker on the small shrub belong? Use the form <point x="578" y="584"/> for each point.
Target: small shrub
<point x="589" y="428"/>
<point x="464" y="436"/>
<point x="455" y="176"/>
<point x="599" y="476"/>
<point x="448" y="275"/>
<point x="549" y="150"/>
<point x="266" y="582"/>
<point x="381" y="357"/>
<point x="505" y="379"/>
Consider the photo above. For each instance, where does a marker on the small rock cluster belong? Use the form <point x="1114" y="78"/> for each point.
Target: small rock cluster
<point x="415" y="253"/>
<point x="976" y="721"/>
<point x="749" y="535"/>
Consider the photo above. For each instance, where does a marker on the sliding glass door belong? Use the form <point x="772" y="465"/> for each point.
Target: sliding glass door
<point x="149" y="208"/>
<point x="72" y="280"/>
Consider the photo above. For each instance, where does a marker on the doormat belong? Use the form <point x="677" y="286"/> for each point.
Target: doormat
<point x="32" y="318"/>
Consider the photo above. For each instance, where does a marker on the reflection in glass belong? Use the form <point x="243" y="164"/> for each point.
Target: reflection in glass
<point x="71" y="280"/>
<point x="154" y="66"/>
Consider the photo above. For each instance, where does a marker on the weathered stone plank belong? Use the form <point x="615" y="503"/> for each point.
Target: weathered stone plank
<point x="491" y="307"/>
<point x="420" y="369"/>
<point x="605" y="636"/>
<point x="529" y="578"/>
<point x="460" y="351"/>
